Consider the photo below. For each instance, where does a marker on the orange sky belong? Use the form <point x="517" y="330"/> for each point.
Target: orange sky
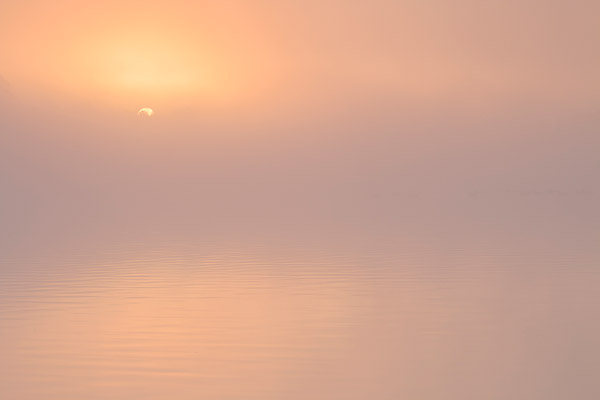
<point x="273" y="52"/>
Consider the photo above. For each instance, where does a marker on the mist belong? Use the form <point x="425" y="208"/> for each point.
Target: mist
<point x="374" y="167"/>
<point x="393" y="119"/>
<point x="351" y="199"/>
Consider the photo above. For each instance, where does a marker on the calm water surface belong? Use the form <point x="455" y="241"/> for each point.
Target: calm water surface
<point x="198" y="321"/>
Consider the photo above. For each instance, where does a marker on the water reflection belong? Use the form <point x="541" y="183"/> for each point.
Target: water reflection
<point x="233" y="322"/>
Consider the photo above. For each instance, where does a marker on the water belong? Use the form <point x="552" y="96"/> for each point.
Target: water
<point x="193" y="320"/>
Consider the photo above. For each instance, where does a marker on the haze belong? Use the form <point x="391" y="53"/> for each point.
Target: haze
<point x="333" y="125"/>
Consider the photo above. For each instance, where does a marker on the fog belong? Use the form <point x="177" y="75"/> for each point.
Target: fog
<point x="387" y="118"/>
<point x="334" y="199"/>
<point x="378" y="169"/>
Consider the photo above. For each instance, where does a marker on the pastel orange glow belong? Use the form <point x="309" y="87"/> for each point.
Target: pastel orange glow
<point x="123" y="53"/>
<point x="207" y="54"/>
<point x="299" y="199"/>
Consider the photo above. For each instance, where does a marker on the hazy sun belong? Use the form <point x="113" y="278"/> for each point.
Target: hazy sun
<point x="146" y="112"/>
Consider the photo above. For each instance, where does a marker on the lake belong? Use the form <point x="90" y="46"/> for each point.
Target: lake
<point x="370" y="319"/>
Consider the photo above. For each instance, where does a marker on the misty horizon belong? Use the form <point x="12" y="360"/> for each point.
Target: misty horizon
<point x="289" y="200"/>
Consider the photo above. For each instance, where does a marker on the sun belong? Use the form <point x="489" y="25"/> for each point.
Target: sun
<point x="146" y="112"/>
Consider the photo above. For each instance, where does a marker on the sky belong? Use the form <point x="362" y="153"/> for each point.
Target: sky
<point x="381" y="116"/>
<point x="235" y="52"/>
